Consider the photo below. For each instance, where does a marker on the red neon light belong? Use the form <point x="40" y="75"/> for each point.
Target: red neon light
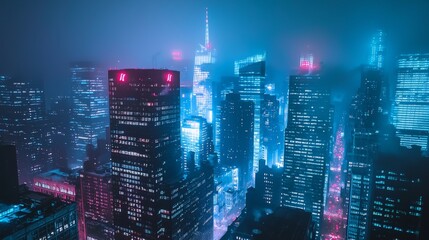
<point x="122" y="77"/>
<point x="169" y="76"/>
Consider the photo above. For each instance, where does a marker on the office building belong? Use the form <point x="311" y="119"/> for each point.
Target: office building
<point x="398" y="194"/>
<point x="194" y="139"/>
<point x="251" y="86"/>
<point x="307" y="146"/>
<point x="145" y="147"/>
<point x="270" y="130"/>
<point x="411" y="105"/>
<point x="236" y="137"/>
<point x="90" y="114"/>
<point x="38" y="216"/>
<point x="22" y="123"/>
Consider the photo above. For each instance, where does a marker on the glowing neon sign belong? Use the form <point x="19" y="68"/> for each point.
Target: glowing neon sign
<point x="122" y="77"/>
<point x="169" y="77"/>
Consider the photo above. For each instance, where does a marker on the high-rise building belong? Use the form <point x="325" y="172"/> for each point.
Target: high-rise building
<point x="398" y="193"/>
<point x="221" y="88"/>
<point x="8" y="174"/>
<point x="307" y="145"/>
<point x="59" y="131"/>
<point x="377" y="50"/>
<point x="251" y="86"/>
<point x="202" y="82"/>
<point x="96" y="203"/>
<point x="145" y="147"/>
<point x="411" y="105"/>
<point x="270" y="130"/>
<point x="365" y="124"/>
<point x="194" y="138"/>
<point x="22" y="123"/>
<point x="236" y="136"/>
<point x="90" y="114"/>
<point x="268" y="184"/>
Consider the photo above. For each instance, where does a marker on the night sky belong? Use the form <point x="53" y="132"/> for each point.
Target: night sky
<point x="39" y="39"/>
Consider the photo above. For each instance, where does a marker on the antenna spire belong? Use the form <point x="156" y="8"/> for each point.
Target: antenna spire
<point x="207" y="42"/>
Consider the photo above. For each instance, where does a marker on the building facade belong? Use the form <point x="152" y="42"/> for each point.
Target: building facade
<point x="411" y="105"/>
<point x="251" y="86"/>
<point x="307" y="146"/>
<point x="194" y="139"/>
<point x="90" y="114"/>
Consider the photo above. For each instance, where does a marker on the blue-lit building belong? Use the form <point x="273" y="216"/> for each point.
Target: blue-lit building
<point x="251" y="86"/>
<point x="236" y="137"/>
<point x="186" y="99"/>
<point x="377" y="50"/>
<point x="194" y="139"/>
<point x="23" y="124"/>
<point x="308" y="140"/>
<point x="202" y="82"/>
<point x="410" y="113"/>
<point x="90" y="114"/>
<point x="270" y="130"/>
<point x="38" y="216"/>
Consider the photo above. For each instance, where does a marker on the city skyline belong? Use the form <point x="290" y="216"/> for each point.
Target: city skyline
<point x="275" y="121"/>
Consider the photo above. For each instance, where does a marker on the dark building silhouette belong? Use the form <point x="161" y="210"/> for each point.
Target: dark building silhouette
<point x="145" y="148"/>
<point x="365" y="124"/>
<point x="236" y="136"/>
<point x="8" y="174"/>
<point x="399" y="193"/>
<point x="268" y="184"/>
<point x="259" y="222"/>
<point x="59" y="132"/>
<point x="307" y="145"/>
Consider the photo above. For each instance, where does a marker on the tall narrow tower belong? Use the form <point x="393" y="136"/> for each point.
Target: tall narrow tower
<point x="202" y="83"/>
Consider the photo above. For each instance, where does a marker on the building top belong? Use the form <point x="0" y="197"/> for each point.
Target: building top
<point x="32" y="207"/>
<point x="57" y="175"/>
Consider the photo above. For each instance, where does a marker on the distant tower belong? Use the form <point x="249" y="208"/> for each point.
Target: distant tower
<point x="411" y="106"/>
<point x="90" y="114"/>
<point x="376" y="57"/>
<point x="251" y="86"/>
<point x="202" y="83"/>
<point x="194" y="139"/>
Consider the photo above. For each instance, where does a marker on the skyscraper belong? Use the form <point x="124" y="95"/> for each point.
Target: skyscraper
<point x="377" y="51"/>
<point x="22" y="123"/>
<point x="366" y="122"/>
<point x="411" y="106"/>
<point x="90" y="114"/>
<point x="8" y="174"/>
<point x="202" y="83"/>
<point x="398" y="195"/>
<point x="307" y="145"/>
<point x="251" y="86"/>
<point x="270" y="130"/>
<point x="194" y="139"/>
<point x="236" y="136"/>
<point x="145" y="147"/>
